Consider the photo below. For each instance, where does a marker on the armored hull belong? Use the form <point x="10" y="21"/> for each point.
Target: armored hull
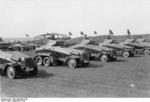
<point x="95" y="51"/>
<point x="51" y="54"/>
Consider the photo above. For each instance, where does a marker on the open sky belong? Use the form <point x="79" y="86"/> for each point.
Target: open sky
<point x="34" y="17"/>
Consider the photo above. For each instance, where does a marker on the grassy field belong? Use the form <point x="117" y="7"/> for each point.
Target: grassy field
<point x="123" y="78"/>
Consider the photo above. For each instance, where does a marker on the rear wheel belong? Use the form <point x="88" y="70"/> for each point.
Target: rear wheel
<point x="46" y="61"/>
<point x="126" y="54"/>
<point x="104" y="58"/>
<point x="147" y="52"/>
<point x="39" y="60"/>
<point x="72" y="63"/>
<point x="11" y="72"/>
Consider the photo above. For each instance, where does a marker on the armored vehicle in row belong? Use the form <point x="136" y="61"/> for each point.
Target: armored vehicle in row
<point x="54" y="53"/>
<point x="3" y="44"/>
<point x="146" y="45"/>
<point x="120" y="48"/>
<point x="95" y="51"/>
<point x="138" y="44"/>
<point x="15" y="63"/>
<point x="43" y="39"/>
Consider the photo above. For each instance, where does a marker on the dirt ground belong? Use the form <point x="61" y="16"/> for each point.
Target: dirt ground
<point x="124" y="78"/>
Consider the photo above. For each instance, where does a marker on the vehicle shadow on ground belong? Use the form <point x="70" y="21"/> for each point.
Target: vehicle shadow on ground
<point x="41" y="74"/>
<point x="140" y="55"/>
<point x="92" y="65"/>
<point x="120" y="60"/>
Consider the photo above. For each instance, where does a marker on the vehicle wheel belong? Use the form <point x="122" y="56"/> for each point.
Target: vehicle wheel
<point x="126" y="54"/>
<point x="72" y="63"/>
<point x="11" y="72"/>
<point x="104" y="58"/>
<point x="34" y="72"/>
<point x="146" y="52"/>
<point x="46" y="61"/>
<point x="39" y="60"/>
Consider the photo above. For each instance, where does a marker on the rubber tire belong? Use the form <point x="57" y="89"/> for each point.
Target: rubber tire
<point x="39" y="60"/>
<point x="104" y="58"/>
<point x="11" y="72"/>
<point x="34" y="72"/>
<point x="46" y="61"/>
<point x="125" y="54"/>
<point x="146" y="52"/>
<point x="72" y="63"/>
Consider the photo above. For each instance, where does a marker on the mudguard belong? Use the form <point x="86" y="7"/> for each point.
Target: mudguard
<point x="4" y="67"/>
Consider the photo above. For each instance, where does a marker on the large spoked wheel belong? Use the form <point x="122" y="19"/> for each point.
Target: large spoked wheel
<point x="11" y="72"/>
<point x="46" y="61"/>
<point x="72" y="63"/>
<point x="34" y="72"/>
<point x="126" y="54"/>
<point x="147" y="52"/>
<point x="39" y="60"/>
<point x="104" y="58"/>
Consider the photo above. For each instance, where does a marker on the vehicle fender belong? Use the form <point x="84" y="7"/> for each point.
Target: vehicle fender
<point x="5" y="68"/>
<point x="43" y="54"/>
<point x="14" y="65"/>
<point x="71" y="57"/>
<point x="40" y="54"/>
<point x="103" y="53"/>
<point x="126" y="50"/>
<point x="74" y="57"/>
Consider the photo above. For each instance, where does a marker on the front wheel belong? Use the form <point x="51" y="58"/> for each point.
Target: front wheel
<point x="39" y="60"/>
<point x="147" y="52"/>
<point x="72" y="63"/>
<point x="104" y="58"/>
<point x="11" y="72"/>
<point x="126" y="54"/>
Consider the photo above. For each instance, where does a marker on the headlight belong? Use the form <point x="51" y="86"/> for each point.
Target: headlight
<point x="22" y="59"/>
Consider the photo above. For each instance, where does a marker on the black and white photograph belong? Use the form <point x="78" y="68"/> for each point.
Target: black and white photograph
<point x="74" y="49"/>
